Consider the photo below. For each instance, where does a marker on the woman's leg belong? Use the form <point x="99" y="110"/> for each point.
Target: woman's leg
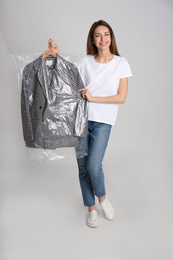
<point x="84" y="177"/>
<point x="99" y="136"/>
<point x="90" y="167"/>
<point x="86" y="183"/>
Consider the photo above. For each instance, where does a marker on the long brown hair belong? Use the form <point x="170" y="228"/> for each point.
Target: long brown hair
<point x="91" y="48"/>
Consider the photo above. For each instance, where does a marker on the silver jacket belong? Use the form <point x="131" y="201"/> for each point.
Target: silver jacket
<point x="54" y="114"/>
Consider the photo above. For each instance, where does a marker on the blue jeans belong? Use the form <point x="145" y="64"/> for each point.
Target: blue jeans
<point x="91" y="175"/>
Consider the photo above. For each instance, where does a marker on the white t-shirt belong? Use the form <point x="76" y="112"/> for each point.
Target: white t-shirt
<point x="103" y="80"/>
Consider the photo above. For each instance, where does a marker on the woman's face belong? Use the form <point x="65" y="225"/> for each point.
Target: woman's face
<point x="102" y="37"/>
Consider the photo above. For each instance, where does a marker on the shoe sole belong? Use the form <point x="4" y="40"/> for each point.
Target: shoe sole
<point x="92" y="226"/>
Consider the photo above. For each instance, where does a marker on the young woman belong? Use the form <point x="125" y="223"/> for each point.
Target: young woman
<point x="105" y="75"/>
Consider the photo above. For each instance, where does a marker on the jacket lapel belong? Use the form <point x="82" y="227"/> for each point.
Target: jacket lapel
<point x="44" y="80"/>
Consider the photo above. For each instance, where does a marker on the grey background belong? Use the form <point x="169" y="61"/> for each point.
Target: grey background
<point x="41" y="212"/>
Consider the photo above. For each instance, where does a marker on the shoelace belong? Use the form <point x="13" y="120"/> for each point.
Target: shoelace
<point x="93" y="216"/>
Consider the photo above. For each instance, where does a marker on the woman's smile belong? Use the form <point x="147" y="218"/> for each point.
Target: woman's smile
<point x="103" y="43"/>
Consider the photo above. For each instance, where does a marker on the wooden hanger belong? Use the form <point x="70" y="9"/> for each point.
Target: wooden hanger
<point x="49" y="52"/>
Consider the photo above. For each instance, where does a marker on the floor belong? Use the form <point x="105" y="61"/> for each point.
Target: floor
<point x="42" y="215"/>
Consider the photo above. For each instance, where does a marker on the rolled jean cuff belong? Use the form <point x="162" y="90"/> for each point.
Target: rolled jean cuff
<point x="100" y="195"/>
<point x="89" y="205"/>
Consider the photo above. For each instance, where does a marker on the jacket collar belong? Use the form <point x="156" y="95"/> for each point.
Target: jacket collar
<point x="40" y="61"/>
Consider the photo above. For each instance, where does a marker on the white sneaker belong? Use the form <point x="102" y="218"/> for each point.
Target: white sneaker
<point x="92" y="220"/>
<point x="108" y="209"/>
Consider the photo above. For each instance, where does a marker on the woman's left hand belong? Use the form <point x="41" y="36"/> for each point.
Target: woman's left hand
<point x="86" y="93"/>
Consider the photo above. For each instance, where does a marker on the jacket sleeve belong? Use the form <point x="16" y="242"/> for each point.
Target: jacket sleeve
<point x="26" y="100"/>
<point x="81" y="119"/>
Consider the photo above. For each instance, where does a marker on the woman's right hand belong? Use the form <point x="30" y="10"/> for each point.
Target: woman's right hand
<point x="53" y="46"/>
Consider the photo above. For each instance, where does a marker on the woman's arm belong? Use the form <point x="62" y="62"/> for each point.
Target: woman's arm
<point x="119" y="98"/>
